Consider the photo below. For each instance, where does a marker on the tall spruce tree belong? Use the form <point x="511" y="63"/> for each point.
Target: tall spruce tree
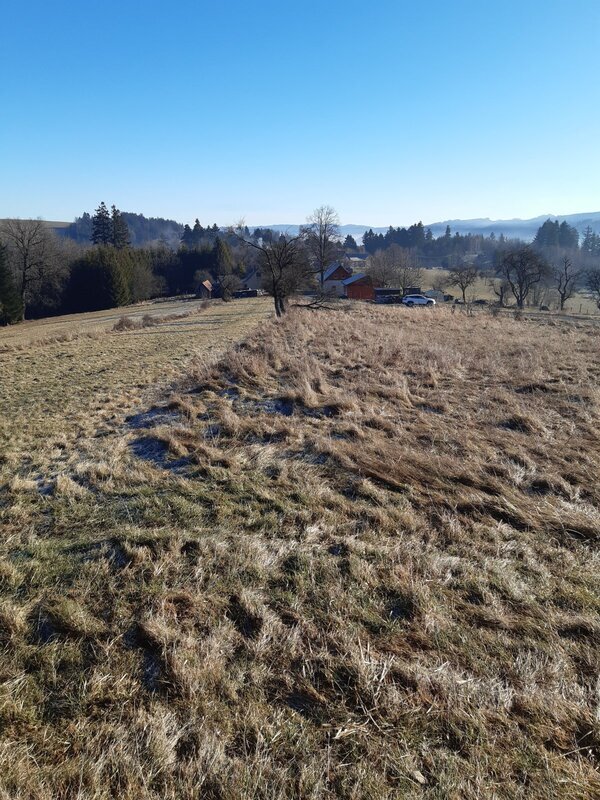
<point x="11" y="307"/>
<point x="120" y="231"/>
<point x="568" y="237"/>
<point x="587" y="245"/>
<point x="547" y="234"/>
<point x="187" y="237"/>
<point x="591" y="243"/>
<point x="102" y="225"/>
<point x="197" y="233"/>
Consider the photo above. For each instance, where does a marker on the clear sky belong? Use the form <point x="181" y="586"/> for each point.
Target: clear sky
<point x="390" y="111"/>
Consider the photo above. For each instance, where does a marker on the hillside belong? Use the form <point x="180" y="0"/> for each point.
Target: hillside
<point x="353" y="556"/>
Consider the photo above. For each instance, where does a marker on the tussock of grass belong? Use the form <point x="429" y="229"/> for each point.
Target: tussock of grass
<point x="360" y="581"/>
<point x="125" y="323"/>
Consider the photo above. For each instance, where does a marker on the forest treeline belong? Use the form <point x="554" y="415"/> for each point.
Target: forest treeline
<point x="143" y="231"/>
<point x="43" y="274"/>
<point x="98" y="266"/>
<point x="450" y="248"/>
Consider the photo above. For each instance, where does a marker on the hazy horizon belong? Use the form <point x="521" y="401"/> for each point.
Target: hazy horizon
<point x="343" y="223"/>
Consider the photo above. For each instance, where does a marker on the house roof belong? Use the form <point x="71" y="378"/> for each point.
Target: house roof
<point x="336" y="265"/>
<point x="353" y="278"/>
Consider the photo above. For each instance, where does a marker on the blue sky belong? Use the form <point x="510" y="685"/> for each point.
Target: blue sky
<point x="389" y="111"/>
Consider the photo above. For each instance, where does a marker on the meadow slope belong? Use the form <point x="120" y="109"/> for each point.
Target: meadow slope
<point x="354" y="556"/>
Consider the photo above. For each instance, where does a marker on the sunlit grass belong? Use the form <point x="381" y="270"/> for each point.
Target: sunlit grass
<point x="353" y="556"/>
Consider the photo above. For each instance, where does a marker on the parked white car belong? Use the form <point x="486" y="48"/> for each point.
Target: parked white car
<point x="418" y="300"/>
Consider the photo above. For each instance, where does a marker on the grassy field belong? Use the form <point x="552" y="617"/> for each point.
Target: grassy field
<point x="66" y="382"/>
<point x="352" y="556"/>
<point x="580" y="303"/>
<point x="73" y="325"/>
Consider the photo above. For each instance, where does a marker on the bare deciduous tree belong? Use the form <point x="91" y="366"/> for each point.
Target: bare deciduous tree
<point x="501" y="289"/>
<point x="383" y="268"/>
<point x="522" y="269"/>
<point x="566" y="277"/>
<point x="463" y="276"/>
<point x="394" y="267"/>
<point x="33" y="256"/>
<point x="321" y="235"/>
<point x="440" y="282"/>
<point x="540" y="292"/>
<point x="284" y="265"/>
<point x="409" y="275"/>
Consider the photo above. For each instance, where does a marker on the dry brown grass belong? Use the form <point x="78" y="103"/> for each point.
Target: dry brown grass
<point x="72" y="326"/>
<point x="356" y="557"/>
<point x="126" y="323"/>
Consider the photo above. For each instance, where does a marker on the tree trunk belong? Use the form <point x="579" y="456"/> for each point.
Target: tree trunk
<point x="22" y="293"/>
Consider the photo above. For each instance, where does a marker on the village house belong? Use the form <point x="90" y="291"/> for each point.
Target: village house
<point x="334" y="277"/>
<point x="204" y="290"/>
<point x="357" y="260"/>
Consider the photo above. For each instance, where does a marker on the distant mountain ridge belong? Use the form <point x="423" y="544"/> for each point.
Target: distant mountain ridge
<point x="511" y="228"/>
<point x="144" y="230"/>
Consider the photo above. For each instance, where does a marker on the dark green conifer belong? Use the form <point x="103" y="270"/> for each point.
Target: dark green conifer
<point x="197" y="233"/>
<point x="102" y="225"/>
<point x="187" y="237"/>
<point x="120" y="231"/>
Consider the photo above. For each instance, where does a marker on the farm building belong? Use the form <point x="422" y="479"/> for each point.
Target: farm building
<point x="204" y="290"/>
<point x="387" y="295"/>
<point x="357" y="259"/>
<point x="334" y="277"/>
<point x="359" y="287"/>
<point x="436" y="295"/>
<point x="252" y="279"/>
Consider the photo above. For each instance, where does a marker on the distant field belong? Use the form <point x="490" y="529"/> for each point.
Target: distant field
<point x="482" y="290"/>
<point x="76" y="324"/>
<point x="354" y="555"/>
<point x="50" y="223"/>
